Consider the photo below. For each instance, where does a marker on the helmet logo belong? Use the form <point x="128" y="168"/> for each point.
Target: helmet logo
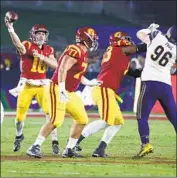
<point x="117" y="34"/>
<point x="91" y="32"/>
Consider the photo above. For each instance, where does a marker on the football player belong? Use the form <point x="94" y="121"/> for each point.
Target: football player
<point x="36" y="56"/>
<point x="114" y="66"/>
<point x="156" y="80"/>
<point x="62" y="97"/>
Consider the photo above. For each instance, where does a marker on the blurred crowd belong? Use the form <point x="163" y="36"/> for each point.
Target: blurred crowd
<point x="9" y="62"/>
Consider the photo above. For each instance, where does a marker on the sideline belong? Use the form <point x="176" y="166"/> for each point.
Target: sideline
<point x="90" y="115"/>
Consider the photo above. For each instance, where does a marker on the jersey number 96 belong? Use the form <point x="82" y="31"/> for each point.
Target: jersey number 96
<point x="161" y="55"/>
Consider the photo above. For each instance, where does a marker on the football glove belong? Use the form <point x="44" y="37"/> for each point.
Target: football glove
<point x="93" y="82"/>
<point x="63" y="96"/>
<point x="153" y="27"/>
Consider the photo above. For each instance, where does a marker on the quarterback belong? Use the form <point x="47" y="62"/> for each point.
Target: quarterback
<point x="35" y="58"/>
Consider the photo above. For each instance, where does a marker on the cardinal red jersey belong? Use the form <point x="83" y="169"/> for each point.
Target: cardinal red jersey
<point x="31" y="67"/>
<point x="76" y="72"/>
<point x="113" y="67"/>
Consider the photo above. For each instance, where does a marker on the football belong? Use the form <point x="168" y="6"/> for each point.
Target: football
<point x="11" y="16"/>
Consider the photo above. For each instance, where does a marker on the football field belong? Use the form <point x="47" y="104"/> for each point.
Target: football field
<point x="119" y="163"/>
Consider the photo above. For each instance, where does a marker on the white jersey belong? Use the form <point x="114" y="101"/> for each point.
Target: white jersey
<point x="160" y="57"/>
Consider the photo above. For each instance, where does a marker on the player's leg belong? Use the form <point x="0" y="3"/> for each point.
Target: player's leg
<point x="93" y="127"/>
<point x="89" y="130"/>
<point x="75" y="107"/>
<point x="23" y="102"/>
<point x="113" y="118"/>
<point x="168" y="103"/>
<point x="56" y="113"/>
<point x="42" y="100"/>
<point x="146" y="101"/>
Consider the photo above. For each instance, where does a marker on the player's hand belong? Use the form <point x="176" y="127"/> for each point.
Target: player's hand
<point x="8" y="24"/>
<point x="153" y="26"/>
<point x="63" y="96"/>
<point x="36" y="54"/>
<point x="94" y="82"/>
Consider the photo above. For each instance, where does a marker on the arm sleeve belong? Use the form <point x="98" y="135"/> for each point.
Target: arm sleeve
<point x="134" y="73"/>
<point x="140" y="48"/>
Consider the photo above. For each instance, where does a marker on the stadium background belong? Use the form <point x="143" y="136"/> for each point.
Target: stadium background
<point x="63" y="18"/>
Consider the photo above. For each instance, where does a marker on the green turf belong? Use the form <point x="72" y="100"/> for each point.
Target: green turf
<point x="119" y="164"/>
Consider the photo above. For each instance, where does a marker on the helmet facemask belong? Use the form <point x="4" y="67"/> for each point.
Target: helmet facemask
<point x="120" y="39"/>
<point x="127" y="38"/>
<point x="91" y="43"/>
<point x="38" y="39"/>
<point x="88" y="37"/>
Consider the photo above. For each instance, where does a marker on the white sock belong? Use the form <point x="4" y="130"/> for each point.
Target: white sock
<point x="71" y="142"/>
<point x="94" y="127"/>
<point x="19" y="127"/>
<point x="110" y="132"/>
<point x="39" y="140"/>
<point x="54" y="133"/>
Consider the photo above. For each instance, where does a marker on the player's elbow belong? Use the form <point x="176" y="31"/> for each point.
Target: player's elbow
<point x="54" y="65"/>
<point x="129" y="50"/>
<point x="21" y="50"/>
<point x="143" y="35"/>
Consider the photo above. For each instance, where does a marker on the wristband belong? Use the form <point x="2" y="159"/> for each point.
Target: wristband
<point x="62" y="85"/>
<point x="11" y="30"/>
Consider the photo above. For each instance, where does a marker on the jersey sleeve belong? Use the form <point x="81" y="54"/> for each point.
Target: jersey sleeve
<point x="146" y="36"/>
<point x="51" y="51"/>
<point x="27" y="45"/>
<point x="73" y="51"/>
<point x="153" y="34"/>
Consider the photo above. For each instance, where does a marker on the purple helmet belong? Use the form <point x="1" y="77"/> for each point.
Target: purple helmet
<point x="171" y="34"/>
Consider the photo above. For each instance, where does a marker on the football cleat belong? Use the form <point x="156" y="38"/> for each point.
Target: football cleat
<point x="55" y="147"/>
<point x="17" y="143"/>
<point x="34" y="151"/>
<point x="70" y="153"/>
<point x="145" y="150"/>
<point x="99" y="153"/>
<point x="78" y="147"/>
